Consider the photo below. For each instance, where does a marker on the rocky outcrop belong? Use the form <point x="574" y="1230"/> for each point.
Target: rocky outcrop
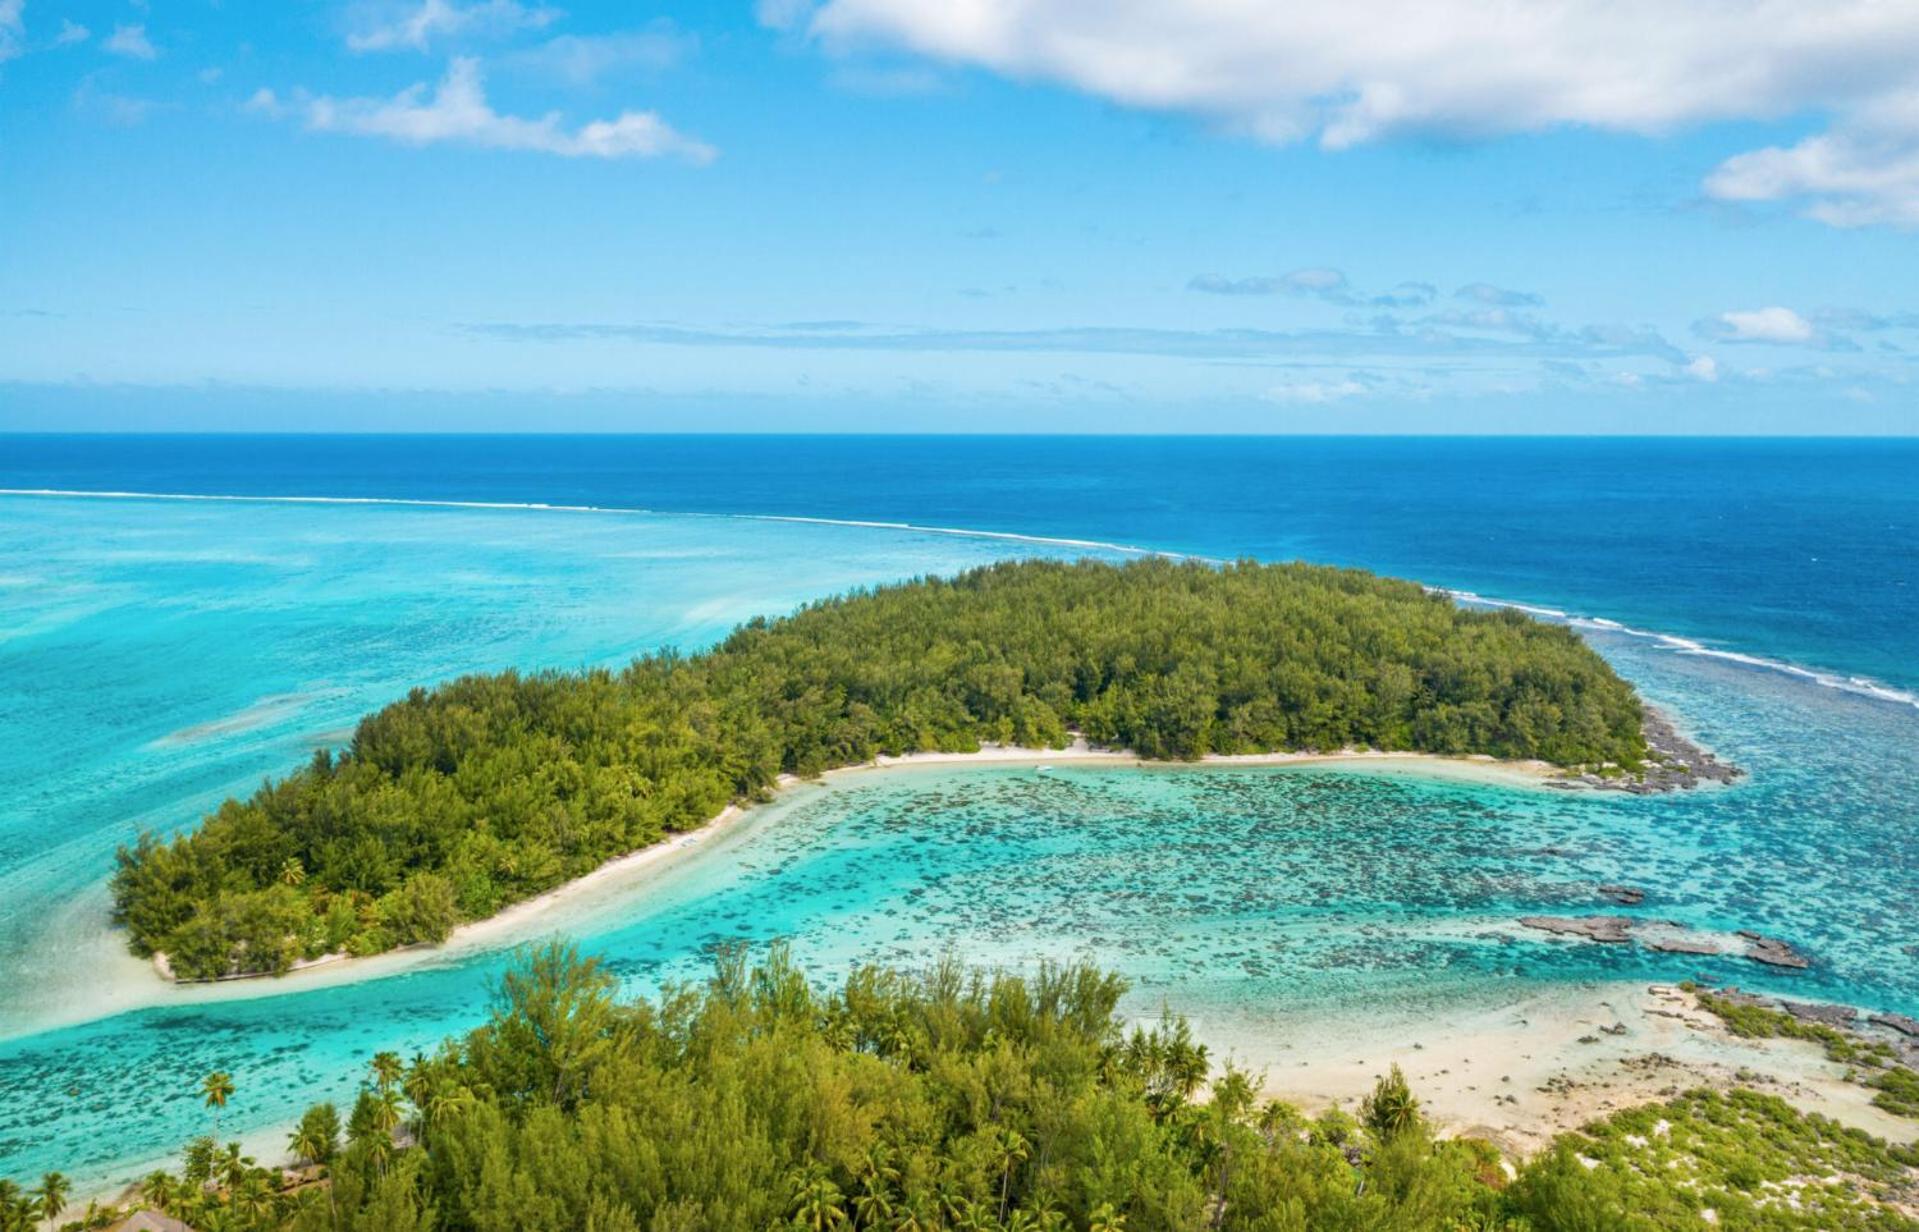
<point x="1625" y="896"/>
<point x="1612" y="929"/>
<point x="1670" y="937"/>
<point x="1897" y="1022"/>
<point x="1673" y="763"/>
<point x="1773" y="952"/>
<point x="1684" y="945"/>
<point x="1823" y="1013"/>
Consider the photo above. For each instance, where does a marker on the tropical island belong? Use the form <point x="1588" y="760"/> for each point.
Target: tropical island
<point x="458" y="801"/>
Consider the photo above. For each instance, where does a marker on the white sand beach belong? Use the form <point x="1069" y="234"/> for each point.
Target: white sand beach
<point x="539" y="915"/>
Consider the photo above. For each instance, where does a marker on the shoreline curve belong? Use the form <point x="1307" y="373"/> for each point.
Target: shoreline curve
<point x="629" y="871"/>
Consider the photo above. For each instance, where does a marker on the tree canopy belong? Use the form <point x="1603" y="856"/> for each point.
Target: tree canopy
<point x="951" y="1100"/>
<point x="456" y="801"/>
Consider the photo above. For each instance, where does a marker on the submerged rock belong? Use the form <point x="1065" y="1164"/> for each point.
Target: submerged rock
<point x="1774" y="952"/>
<point x="1684" y="945"/>
<point x="1608" y="928"/>
<point x="1625" y="896"/>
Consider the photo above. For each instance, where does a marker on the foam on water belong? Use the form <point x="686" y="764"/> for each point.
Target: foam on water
<point x="544" y="507"/>
<point x="1862" y="685"/>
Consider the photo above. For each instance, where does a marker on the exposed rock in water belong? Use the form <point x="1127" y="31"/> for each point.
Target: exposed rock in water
<point x="1821" y="1013"/>
<point x="1625" y="896"/>
<point x="1898" y="1022"/>
<point x="1673" y="763"/>
<point x="1608" y="928"/>
<point x="1684" y="945"/>
<point x="1774" y="952"/>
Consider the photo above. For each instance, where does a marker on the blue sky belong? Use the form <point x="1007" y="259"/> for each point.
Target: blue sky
<point x="1183" y="215"/>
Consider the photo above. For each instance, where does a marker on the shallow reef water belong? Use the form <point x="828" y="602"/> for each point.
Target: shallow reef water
<point x="158" y="656"/>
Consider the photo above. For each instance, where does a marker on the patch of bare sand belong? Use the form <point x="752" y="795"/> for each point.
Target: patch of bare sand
<point x="1518" y="1073"/>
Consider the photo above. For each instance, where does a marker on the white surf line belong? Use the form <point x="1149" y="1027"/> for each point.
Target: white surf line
<point x="544" y="507"/>
<point x="1860" y="686"/>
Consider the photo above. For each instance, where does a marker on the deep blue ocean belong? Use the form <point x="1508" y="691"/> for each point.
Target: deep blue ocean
<point x="1805" y="550"/>
<point x="157" y="654"/>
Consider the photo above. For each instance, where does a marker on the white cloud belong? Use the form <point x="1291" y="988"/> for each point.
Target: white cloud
<point x="1364" y="70"/>
<point x="457" y="111"/>
<point x="1498" y="297"/>
<point x="1318" y="393"/>
<point x="581" y="60"/>
<point x="1778" y="325"/>
<point x="71" y="32"/>
<point x="387" y="26"/>
<point x="130" y="41"/>
<point x="1845" y="180"/>
<point x="13" y="28"/>
<point x="1705" y="367"/>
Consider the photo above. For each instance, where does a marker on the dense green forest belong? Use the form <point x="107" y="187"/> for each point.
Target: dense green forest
<point x="457" y="801"/>
<point x="951" y="1101"/>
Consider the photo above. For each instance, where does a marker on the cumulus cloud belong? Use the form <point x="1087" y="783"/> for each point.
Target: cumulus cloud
<point x="1780" y="326"/>
<point x="1846" y="180"/>
<point x="71" y="32"/>
<point x="1704" y="367"/>
<point x="1346" y="74"/>
<point x="457" y="111"/>
<point x="130" y="41"/>
<point x="387" y="26"/>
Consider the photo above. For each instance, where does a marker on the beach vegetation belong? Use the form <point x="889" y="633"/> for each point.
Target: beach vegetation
<point x="955" y="1099"/>
<point x="1871" y="1063"/>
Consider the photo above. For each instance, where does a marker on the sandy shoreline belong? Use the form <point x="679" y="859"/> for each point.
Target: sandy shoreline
<point x="635" y="867"/>
<point x="1518" y="1073"/>
<point x="1516" y="1069"/>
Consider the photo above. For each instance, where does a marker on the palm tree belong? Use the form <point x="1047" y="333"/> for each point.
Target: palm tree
<point x="218" y="1088"/>
<point x="386" y="1106"/>
<point x="292" y="872"/>
<point x="1009" y="1148"/>
<point x="386" y="1069"/>
<point x="253" y="1197"/>
<point x="974" y="1217"/>
<point x="53" y="1193"/>
<point x="161" y="1190"/>
<point x="1106" y="1219"/>
<point x="913" y="1217"/>
<point x="874" y="1206"/>
<point x="443" y="1103"/>
<point x="318" y="1135"/>
<point x="234" y="1166"/>
<point x="816" y="1199"/>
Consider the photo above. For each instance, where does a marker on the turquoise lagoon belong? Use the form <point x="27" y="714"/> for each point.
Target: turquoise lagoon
<point x="158" y="655"/>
